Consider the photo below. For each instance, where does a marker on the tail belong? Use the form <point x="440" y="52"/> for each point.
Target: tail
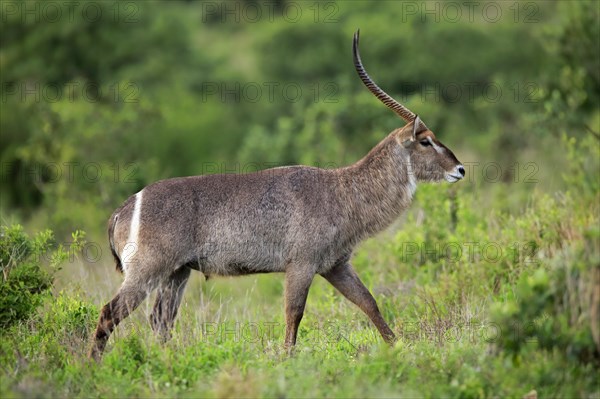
<point x="111" y="229"/>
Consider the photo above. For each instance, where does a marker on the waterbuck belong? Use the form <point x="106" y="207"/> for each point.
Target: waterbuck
<point x="298" y="220"/>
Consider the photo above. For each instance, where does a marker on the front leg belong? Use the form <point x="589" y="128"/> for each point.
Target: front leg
<point x="297" y="283"/>
<point x="344" y="278"/>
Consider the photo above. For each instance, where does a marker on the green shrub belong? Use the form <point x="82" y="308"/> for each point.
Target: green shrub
<point x="557" y="307"/>
<point x="25" y="282"/>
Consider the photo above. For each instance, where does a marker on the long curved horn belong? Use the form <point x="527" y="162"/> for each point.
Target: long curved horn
<point x="385" y="98"/>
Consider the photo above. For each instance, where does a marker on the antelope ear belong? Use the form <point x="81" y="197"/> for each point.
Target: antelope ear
<point x="409" y="135"/>
<point x="416" y="125"/>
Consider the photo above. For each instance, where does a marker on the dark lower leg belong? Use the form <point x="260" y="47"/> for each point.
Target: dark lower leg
<point x="296" y="292"/>
<point x="111" y="315"/>
<point x="106" y="325"/>
<point x="167" y="303"/>
<point x="344" y="279"/>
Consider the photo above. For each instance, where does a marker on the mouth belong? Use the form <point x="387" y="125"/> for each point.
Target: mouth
<point x="450" y="178"/>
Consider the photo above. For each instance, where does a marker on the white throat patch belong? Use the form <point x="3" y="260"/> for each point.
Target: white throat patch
<point x="412" y="179"/>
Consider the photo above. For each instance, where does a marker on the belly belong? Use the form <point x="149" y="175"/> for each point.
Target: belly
<point x="241" y="259"/>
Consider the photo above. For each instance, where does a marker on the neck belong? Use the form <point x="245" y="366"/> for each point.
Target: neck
<point x="377" y="189"/>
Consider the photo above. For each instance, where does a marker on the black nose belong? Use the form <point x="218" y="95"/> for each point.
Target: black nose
<point x="461" y="170"/>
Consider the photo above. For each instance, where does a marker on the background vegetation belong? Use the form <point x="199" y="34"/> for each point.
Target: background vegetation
<point x="492" y="284"/>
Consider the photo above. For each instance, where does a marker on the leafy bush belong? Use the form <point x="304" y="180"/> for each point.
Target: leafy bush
<point x="25" y="282"/>
<point x="554" y="309"/>
<point x="557" y="306"/>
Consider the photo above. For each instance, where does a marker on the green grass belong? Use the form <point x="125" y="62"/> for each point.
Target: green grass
<point x="338" y="355"/>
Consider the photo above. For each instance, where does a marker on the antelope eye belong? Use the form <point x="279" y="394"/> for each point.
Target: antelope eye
<point x="425" y="143"/>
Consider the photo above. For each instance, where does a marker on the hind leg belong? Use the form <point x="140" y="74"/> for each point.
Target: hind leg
<point x="130" y="295"/>
<point x="167" y="303"/>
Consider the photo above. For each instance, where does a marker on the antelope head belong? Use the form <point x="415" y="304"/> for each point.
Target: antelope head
<point x="429" y="159"/>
